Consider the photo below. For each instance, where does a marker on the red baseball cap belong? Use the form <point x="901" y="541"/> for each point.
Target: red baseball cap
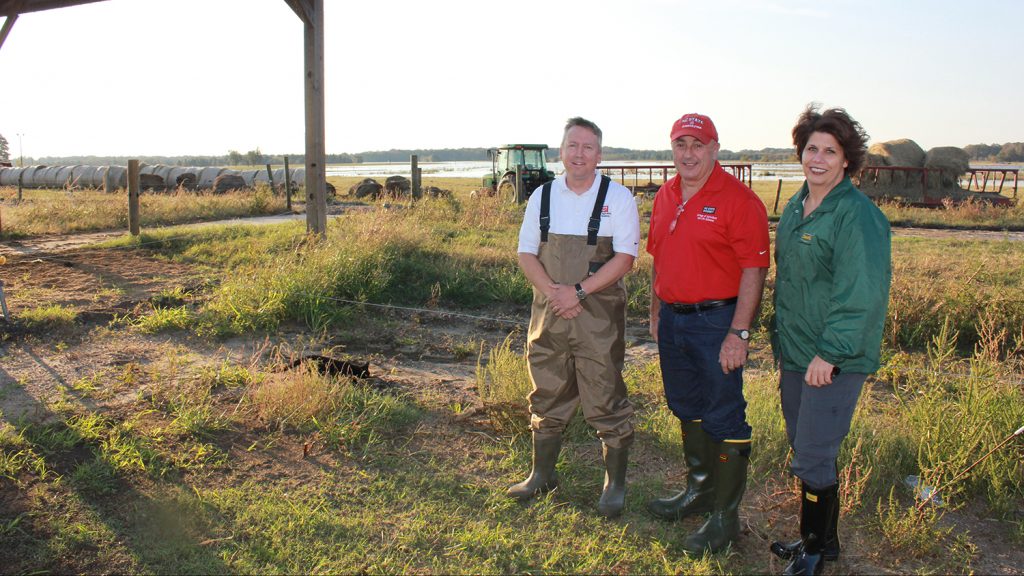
<point x="697" y="125"/>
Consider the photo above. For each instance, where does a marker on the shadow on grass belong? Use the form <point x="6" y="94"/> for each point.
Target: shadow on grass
<point x="84" y="513"/>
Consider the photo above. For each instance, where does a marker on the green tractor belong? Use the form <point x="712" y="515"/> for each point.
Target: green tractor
<point x="529" y="159"/>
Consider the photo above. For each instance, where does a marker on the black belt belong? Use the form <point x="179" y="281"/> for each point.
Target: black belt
<point x="699" y="306"/>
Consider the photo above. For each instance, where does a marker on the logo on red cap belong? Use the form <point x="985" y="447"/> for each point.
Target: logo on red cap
<point x="697" y="125"/>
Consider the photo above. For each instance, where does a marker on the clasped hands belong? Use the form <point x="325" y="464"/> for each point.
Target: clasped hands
<point x="563" y="301"/>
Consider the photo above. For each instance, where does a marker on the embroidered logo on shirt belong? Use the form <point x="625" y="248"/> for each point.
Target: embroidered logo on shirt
<point x="806" y="237"/>
<point x="707" y="214"/>
<point x="604" y="212"/>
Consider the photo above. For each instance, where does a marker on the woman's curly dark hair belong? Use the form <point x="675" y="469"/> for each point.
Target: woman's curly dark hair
<point x="835" y="121"/>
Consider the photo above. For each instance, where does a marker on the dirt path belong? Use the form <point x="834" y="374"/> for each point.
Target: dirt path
<point x="66" y="242"/>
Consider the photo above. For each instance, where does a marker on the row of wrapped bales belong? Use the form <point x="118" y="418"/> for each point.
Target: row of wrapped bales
<point x="157" y="175"/>
<point x="65" y="176"/>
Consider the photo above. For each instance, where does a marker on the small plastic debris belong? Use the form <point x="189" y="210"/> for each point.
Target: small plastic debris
<point x="922" y="493"/>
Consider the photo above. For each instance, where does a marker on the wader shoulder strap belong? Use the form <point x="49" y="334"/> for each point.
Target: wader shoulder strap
<point x="595" y="216"/>
<point x="545" y="211"/>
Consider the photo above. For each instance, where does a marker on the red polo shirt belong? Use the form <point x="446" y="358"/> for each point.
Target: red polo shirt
<point x="720" y="231"/>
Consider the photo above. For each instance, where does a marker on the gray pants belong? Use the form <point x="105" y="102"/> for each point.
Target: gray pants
<point x="817" y="421"/>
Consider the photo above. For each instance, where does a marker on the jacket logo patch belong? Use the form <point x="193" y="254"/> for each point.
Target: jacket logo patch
<point x="604" y="212"/>
<point x="806" y="237"/>
<point x="707" y="214"/>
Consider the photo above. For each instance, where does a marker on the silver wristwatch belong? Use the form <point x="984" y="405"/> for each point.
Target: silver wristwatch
<point x="580" y="292"/>
<point x="744" y="334"/>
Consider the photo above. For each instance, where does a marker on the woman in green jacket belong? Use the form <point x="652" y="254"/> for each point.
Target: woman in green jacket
<point x="833" y="269"/>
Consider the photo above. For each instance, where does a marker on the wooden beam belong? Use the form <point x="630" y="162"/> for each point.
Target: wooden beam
<point x="11" y="7"/>
<point x="14" y="8"/>
<point x="316" y="154"/>
<point x="302" y="9"/>
<point x="8" y="24"/>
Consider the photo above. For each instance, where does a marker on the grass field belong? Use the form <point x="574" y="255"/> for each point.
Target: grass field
<point x="61" y="212"/>
<point x="173" y="442"/>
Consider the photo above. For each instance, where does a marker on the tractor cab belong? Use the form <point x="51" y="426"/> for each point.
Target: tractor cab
<point x="528" y="159"/>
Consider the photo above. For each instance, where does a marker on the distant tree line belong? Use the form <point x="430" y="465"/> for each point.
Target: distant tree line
<point x="1009" y="152"/>
<point x="5" y="151"/>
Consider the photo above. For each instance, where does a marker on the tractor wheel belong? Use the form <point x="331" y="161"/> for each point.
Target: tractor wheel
<point x="507" y="189"/>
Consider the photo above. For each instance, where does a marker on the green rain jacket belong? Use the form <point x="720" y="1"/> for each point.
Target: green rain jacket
<point x="832" y="277"/>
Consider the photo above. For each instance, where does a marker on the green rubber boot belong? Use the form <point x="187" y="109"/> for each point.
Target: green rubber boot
<point x="543" y="477"/>
<point x="698" y="497"/>
<point x="613" y="497"/>
<point x="723" y="526"/>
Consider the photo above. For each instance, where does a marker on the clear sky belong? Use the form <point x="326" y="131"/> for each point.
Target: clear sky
<point x="176" y="77"/>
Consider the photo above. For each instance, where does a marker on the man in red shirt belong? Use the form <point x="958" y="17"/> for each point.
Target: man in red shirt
<point x="709" y="240"/>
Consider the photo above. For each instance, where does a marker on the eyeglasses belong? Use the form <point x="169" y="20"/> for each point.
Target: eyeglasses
<point x="675" y="220"/>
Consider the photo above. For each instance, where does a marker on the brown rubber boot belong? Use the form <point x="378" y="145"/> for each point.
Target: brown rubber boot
<point x="543" y="477"/>
<point x="613" y="498"/>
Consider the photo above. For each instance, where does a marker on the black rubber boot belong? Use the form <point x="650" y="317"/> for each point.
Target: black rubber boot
<point x="815" y="515"/>
<point x="543" y="477"/>
<point x="830" y="550"/>
<point x="723" y="526"/>
<point x="613" y="497"/>
<point x="698" y="498"/>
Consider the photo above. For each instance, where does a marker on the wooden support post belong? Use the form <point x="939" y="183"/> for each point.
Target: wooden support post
<point x="21" y="178"/>
<point x="316" y="156"/>
<point x="778" y="193"/>
<point x="287" y="186"/>
<point x="133" y="197"/>
<point x="414" y="171"/>
<point x="270" y="177"/>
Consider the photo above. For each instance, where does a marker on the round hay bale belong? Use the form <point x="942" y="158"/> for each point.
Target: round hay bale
<point x="951" y="160"/>
<point x="366" y="187"/>
<point x="397" y="185"/>
<point x="875" y="160"/>
<point x="151" y="182"/>
<point x="228" y="182"/>
<point x="903" y="152"/>
<point x="188" y="181"/>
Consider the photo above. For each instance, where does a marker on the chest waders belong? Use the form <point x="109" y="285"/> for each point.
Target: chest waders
<point x="579" y="361"/>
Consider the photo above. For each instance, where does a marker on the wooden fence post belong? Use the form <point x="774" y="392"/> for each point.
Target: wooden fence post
<point x="133" y="197"/>
<point x="414" y="172"/>
<point x="287" y="186"/>
<point x="270" y="177"/>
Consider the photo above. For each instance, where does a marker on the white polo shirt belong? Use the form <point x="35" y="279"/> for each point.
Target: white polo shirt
<point x="570" y="215"/>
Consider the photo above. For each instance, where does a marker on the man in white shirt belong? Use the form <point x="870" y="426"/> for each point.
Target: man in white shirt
<point x="579" y="238"/>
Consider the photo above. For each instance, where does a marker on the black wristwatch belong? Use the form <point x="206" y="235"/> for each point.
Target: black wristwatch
<point x="580" y="292"/>
<point x="743" y="334"/>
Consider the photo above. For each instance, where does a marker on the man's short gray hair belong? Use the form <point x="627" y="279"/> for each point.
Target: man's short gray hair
<point x="584" y="123"/>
